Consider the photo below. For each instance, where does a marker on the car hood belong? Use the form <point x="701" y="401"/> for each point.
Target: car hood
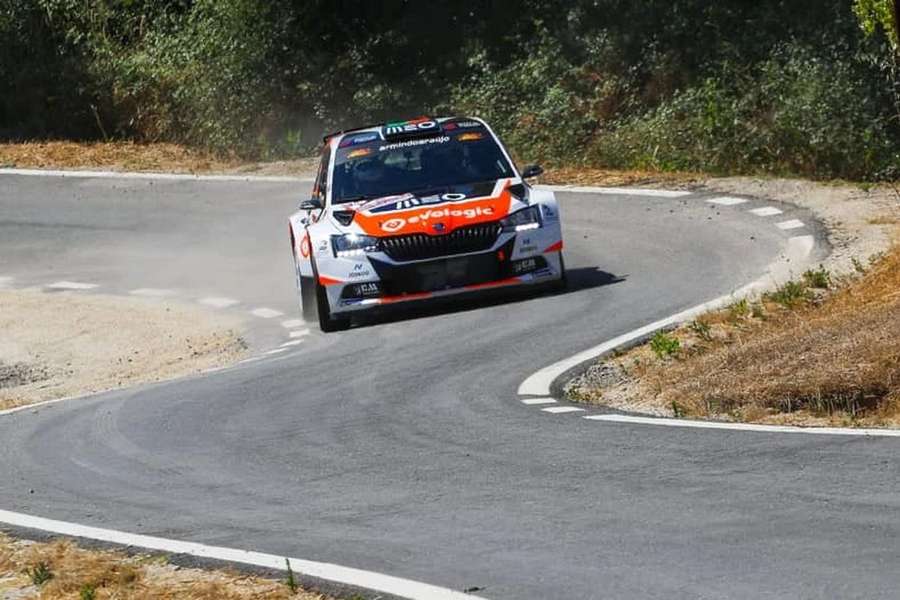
<point x="433" y="213"/>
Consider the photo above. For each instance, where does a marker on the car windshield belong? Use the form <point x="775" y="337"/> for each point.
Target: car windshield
<point x="368" y="167"/>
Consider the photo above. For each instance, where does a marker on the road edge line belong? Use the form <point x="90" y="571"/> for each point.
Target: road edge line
<point x="371" y="580"/>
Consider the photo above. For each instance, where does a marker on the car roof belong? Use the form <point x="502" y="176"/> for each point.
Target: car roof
<point x="377" y="127"/>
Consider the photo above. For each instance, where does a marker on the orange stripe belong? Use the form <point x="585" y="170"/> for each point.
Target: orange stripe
<point x="555" y="247"/>
<point x="415" y="296"/>
<point x="489" y="284"/>
<point x="328" y="280"/>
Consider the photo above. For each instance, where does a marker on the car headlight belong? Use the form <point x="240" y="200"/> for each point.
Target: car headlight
<point x="351" y="244"/>
<point x="523" y="220"/>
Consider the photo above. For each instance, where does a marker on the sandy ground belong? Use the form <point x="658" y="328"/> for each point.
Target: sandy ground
<point x="860" y="220"/>
<point x="78" y="574"/>
<point x="54" y="345"/>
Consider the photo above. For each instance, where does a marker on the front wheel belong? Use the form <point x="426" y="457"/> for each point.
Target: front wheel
<point x="328" y="323"/>
<point x="563" y="282"/>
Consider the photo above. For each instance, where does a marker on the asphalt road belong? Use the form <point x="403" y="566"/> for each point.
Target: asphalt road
<point x="400" y="446"/>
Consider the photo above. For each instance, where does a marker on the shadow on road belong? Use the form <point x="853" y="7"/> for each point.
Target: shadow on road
<point x="579" y="279"/>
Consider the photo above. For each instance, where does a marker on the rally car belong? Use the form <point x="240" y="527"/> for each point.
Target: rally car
<point x="419" y="209"/>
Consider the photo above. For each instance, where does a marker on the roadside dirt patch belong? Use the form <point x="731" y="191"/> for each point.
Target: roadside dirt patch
<point x="62" y="344"/>
<point x="63" y="571"/>
<point x="799" y="355"/>
<point x="610" y="178"/>
<point x="130" y="156"/>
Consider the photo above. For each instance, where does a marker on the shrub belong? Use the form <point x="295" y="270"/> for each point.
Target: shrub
<point x="665" y="345"/>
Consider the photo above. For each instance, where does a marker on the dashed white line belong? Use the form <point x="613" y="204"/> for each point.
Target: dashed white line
<point x="797" y="252"/>
<point x="218" y="302"/>
<point x="792" y="224"/>
<point x="379" y="582"/>
<point x="71" y="285"/>
<point x="299" y="333"/>
<point x="766" y="211"/>
<point x="250" y="360"/>
<point x="292" y="343"/>
<point x="538" y="401"/>
<point x="276" y="351"/>
<point x="266" y="313"/>
<point x="152" y="292"/>
<point x="293" y="323"/>
<point x="742" y="426"/>
<point x="727" y="201"/>
<point x="559" y="410"/>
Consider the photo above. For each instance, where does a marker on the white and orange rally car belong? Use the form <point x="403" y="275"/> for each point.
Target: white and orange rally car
<point x="419" y="209"/>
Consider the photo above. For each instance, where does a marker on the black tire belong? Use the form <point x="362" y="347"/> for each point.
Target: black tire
<point x="327" y="323"/>
<point x="563" y="282"/>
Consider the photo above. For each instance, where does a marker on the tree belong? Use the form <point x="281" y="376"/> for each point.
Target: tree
<point x="880" y="13"/>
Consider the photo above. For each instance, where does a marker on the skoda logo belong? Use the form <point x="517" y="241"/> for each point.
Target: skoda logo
<point x="439" y="227"/>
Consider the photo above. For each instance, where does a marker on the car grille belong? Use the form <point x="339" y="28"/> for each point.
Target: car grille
<point x="421" y="246"/>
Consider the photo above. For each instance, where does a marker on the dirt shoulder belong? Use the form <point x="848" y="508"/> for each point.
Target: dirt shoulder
<point x="61" y="570"/>
<point x="55" y="345"/>
<point x="152" y="158"/>
<point x="820" y="350"/>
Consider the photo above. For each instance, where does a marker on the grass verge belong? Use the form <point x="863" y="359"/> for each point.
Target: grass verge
<point x="61" y="570"/>
<point x="812" y="352"/>
<point x="130" y="156"/>
<point x="173" y="158"/>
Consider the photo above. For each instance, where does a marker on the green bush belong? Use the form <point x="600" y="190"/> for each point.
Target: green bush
<point x="799" y="114"/>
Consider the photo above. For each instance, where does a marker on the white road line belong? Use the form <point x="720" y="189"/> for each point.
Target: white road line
<point x="266" y="313"/>
<point x="293" y="323"/>
<point x="292" y="343"/>
<point x="157" y="176"/>
<point x="299" y="333"/>
<point x="276" y="351"/>
<point x="742" y="426"/>
<point x="538" y="401"/>
<point x="766" y="211"/>
<point x="727" y="201"/>
<point x="559" y="410"/>
<point x="581" y="189"/>
<point x="250" y="360"/>
<point x="795" y="255"/>
<point x="218" y="302"/>
<point x="152" y="292"/>
<point x="71" y="285"/>
<point x="792" y="224"/>
<point x="387" y="584"/>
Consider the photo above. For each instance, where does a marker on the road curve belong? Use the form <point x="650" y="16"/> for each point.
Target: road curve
<point x="401" y="446"/>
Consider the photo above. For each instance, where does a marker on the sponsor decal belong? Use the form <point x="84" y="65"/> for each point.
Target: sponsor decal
<point x="304" y="246"/>
<point x="468" y="124"/>
<point x="398" y="223"/>
<point x="406" y="127"/>
<point x="323" y="247"/>
<point x="360" y="153"/>
<point x="412" y="143"/>
<point x="470" y="137"/>
<point x="409" y="201"/>
<point x="358" y="139"/>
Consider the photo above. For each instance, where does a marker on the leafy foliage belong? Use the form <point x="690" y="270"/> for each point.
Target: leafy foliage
<point x="781" y="86"/>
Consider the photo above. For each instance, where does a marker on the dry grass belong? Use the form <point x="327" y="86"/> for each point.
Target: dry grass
<point x="605" y="177"/>
<point x="115" y="575"/>
<point x="130" y="156"/>
<point x="806" y="357"/>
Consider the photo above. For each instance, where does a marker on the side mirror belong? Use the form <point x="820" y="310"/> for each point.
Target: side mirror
<point x="312" y="204"/>
<point x="532" y="171"/>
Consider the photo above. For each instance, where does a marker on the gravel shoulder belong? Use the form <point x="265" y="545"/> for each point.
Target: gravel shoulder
<point x="56" y="345"/>
<point x="801" y="356"/>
